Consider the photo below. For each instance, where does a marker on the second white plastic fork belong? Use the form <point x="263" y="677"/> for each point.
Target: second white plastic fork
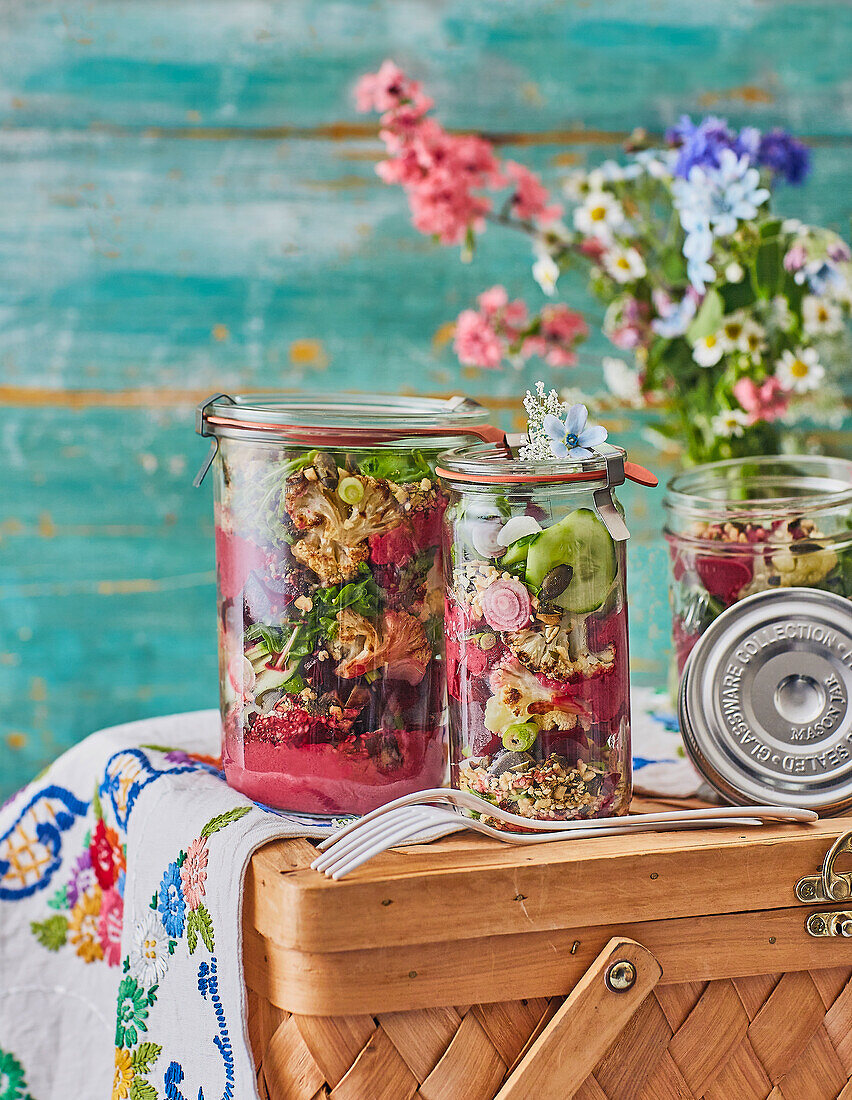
<point x="405" y="824"/>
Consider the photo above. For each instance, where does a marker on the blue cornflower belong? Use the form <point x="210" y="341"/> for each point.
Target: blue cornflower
<point x="710" y="203"/>
<point x="821" y="276"/>
<point x="572" y="439"/>
<point x="172" y="906"/>
<point x="787" y="157"/>
<point x="702" y="145"/>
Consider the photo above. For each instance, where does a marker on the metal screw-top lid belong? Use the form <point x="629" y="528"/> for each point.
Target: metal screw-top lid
<point x="765" y="696"/>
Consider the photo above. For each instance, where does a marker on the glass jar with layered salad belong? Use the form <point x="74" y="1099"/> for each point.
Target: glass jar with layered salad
<point x="328" y="531"/>
<point x="536" y="634"/>
<point x="750" y="525"/>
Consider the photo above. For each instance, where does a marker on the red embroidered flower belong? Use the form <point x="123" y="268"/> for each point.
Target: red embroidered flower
<point x="109" y="926"/>
<point x="107" y="855"/>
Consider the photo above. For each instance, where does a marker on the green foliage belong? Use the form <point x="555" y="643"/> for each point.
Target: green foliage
<point x="51" y="933"/>
<point x="223" y="820"/>
<point x="199" y="923"/>
<point x="145" y="1055"/>
<point x="140" y="1089"/>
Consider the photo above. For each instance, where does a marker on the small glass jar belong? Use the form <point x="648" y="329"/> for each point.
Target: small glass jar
<point x="536" y="634"/>
<point x="328" y="530"/>
<point x="750" y="525"/>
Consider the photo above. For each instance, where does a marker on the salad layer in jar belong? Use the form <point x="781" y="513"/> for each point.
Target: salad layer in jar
<point x="537" y="654"/>
<point x="738" y="528"/>
<point x="330" y="618"/>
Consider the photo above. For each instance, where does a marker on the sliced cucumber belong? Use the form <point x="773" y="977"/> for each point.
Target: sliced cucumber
<point x="518" y="551"/>
<point x="270" y="679"/>
<point x="582" y="541"/>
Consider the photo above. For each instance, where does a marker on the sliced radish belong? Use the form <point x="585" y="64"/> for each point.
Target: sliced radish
<point x="517" y="528"/>
<point x="506" y="605"/>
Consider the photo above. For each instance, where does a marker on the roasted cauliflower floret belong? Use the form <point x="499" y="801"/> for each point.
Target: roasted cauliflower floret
<point x="803" y="563"/>
<point x="559" y="651"/>
<point x="520" y="697"/>
<point x="335" y="541"/>
<point x="397" y="645"/>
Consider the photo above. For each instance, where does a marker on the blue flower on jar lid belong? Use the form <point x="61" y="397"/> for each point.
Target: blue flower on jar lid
<point x="573" y="438"/>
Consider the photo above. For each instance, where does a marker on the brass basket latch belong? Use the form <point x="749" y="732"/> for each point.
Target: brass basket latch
<point x="829" y="885"/>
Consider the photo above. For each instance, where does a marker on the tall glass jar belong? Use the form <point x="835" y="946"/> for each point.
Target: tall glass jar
<point x="536" y="625"/>
<point x="328" y="528"/>
<point x="752" y="524"/>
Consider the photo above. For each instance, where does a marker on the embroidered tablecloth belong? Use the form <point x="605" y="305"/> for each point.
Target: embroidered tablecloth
<point x="121" y="872"/>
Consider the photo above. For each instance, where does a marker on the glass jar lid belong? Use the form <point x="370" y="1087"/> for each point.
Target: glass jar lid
<point x="371" y="414"/>
<point x="743" y="488"/>
<point x="495" y="464"/>
<point x="766" y="700"/>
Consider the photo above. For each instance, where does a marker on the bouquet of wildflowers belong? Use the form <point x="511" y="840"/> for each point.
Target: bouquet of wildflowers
<point x="733" y="316"/>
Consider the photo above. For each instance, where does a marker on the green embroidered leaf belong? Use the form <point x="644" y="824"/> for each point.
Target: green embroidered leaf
<point x="59" y="899"/>
<point x="217" y="823"/>
<point x="96" y="804"/>
<point x="145" y="1055"/>
<point x="159" y="748"/>
<point x="140" y="1089"/>
<point x="154" y="902"/>
<point x="205" y="927"/>
<point x="181" y="859"/>
<point x="191" y="931"/>
<point x="51" y="933"/>
<point x="172" y="946"/>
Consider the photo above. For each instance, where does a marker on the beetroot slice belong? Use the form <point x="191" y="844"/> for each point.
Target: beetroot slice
<point x="724" y="577"/>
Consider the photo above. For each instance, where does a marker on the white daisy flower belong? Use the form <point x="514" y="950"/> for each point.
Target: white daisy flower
<point x="625" y="265"/>
<point x="708" y="351"/>
<point x="545" y="272"/>
<point x="600" y="214"/>
<point x="149" y="954"/>
<point x="753" y="338"/>
<point x="820" y="316"/>
<point x="576" y="186"/>
<point x="800" y="370"/>
<point x="622" y="380"/>
<point x="731" y="333"/>
<point x="729" y="422"/>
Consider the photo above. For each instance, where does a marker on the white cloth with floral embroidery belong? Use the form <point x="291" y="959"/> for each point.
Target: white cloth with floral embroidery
<point x="121" y="874"/>
<point x="128" y="982"/>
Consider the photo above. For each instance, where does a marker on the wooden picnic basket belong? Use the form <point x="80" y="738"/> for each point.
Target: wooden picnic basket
<point x="684" y="965"/>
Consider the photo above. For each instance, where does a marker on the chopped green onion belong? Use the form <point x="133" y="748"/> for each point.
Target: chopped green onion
<point x="350" y="490"/>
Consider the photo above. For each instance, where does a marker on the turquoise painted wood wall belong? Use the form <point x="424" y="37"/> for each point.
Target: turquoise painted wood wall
<point x="188" y="203"/>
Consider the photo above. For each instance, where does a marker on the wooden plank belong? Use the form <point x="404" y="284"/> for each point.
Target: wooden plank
<point x="522" y="63"/>
<point x="589" y="1021"/>
<point x="393" y="979"/>
<point x="416" y="895"/>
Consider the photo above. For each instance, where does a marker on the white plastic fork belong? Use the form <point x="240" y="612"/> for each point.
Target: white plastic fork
<point x="405" y="824"/>
<point x="466" y="801"/>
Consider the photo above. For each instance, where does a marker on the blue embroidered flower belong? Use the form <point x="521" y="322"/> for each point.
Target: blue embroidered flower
<point x="786" y="157"/>
<point x="171" y="905"/>
<point x="573" y="438"/>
